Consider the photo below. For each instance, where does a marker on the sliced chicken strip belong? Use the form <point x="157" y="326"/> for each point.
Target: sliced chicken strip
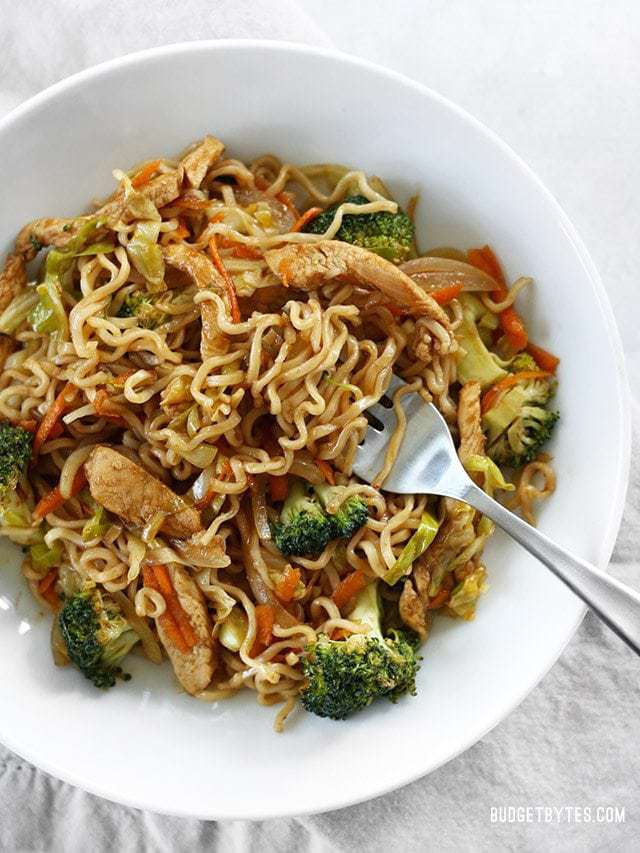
<point x="205" y="276"/>
<point x="421" y="577"/>
<point x="455" y="533"/>
<point x="162" y="190"/>
<point x="194" y="669"/>
<point x="200" y="158"/>
<point x="412" y="611"/>
<point x="308" y="265"/>
<point x="46" y="232"/>
<point x="13" y="279"/>
<point x="471" y="435"/>
<point x="127" y="490"/>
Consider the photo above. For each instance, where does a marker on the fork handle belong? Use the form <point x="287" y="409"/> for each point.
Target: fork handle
<point x="615" y="603"/>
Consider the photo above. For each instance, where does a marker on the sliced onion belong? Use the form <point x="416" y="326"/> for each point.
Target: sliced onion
<point x="223" y="603"/>
<point x="149" y="642"/>
<point x="201" y="456"/>
<point x="137" y="552"/>
<point x="435" y="273"/>
<point x="446" y="252"/>
<point x="58" y="646"/>
<point x="259" y="507"/>
<point x="307" y="470"/>
<point x="200" y="487"/>
<point x="282" y="217"/>
<point x="261" y="592"/>
<point x="207" y="555"/>
<point x="152" y="527"/>
<point x="69" y="580"/>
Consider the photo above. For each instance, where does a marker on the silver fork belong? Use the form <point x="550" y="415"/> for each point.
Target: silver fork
<point x="428" y="464"/>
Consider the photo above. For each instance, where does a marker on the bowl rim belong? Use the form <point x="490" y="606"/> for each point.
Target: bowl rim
<point x="623" y="414"/>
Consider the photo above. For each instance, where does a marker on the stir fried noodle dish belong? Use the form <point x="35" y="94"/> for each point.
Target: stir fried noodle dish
<point x="186" y="373"/>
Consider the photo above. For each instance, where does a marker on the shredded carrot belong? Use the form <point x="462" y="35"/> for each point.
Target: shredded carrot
<point x="287" y="200"/>
<point x="261" y="183"/>
<point x="306" y="217"/>
<point x="347" y="588"/>
<point x="46" y="588"/>
<point x="340" y="634"/>
<point x="56" y="430"/>
<point x="326" y="470"/>
<point x="51" y="597"/>
<point x="232" y="296"/>
<point x="514" y="328"/>
<point x="182" y="230"/>
<point x="445" y="295"/>
<point x="145" y="174"/>
<point x="173" y="605"/>
<point x="278" y="487"/>
<point x="439" y="599"/>
<point x="510" y="321"/>
<point x="53" y="499"/>
<point x="238" y="250"/>
<point x="288" y="583"/>
<point x="484" y="259"/>
<point x="47" y="580"/>
<point x="166" y="621"/>
<point x="106" y="408"/>
<point x="204" y="502"/>
<point x="121" y="378"/>
<point x="265" y="618"/>
<point x="190" y="203"/>
<point x="28" y="425"/>
<point x="544" y="359"/>
<point x="56" y="410"/>
<point x="172" y="631"/>
<point x="490" y="397"/>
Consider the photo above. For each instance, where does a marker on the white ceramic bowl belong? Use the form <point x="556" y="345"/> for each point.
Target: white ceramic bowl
<point x="144" y="743"/>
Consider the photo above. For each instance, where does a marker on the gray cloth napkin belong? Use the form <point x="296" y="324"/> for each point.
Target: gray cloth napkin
<point x="573" y="743"/>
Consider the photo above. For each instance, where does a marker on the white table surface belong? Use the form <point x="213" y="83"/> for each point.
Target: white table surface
<point x="559" y="80"/>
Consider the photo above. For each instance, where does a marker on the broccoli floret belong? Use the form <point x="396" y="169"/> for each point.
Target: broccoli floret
<point x="141" y="305"/>
<point x="15" y="453"/>
<point x="390" y="235"/>
<point x="520" y="423"/>
<point x="475" y="362"/>
<point x="305" y="527"/>
<point x="348" y="517"/>
<point x="521" y="362"/>
<point x="524" y="438"/>
<point x="345" y="676"/>
<point x="97" y="636"/>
